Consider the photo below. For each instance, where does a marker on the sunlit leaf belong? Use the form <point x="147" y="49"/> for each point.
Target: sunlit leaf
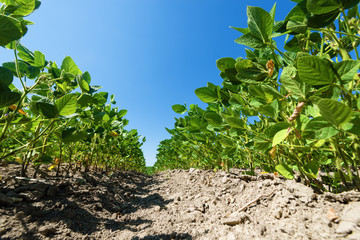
<point x="213" y="118"/>
<point x="10" y="29"/>
<point x="322" y="6"/>
<point x="335" y="112"/>
<point x="315" y="71"/>
<point x="235" y="122"/>
<point x="68" y="65"/>
<point x="292" y="82"/>
<point x="66" y="105"/>
<point x="260" y="23"/>
<point x="206" y="94"/>
<point x="285" y="170"/>
<point x="178" y="108"/>
<point x="280" y="136"/>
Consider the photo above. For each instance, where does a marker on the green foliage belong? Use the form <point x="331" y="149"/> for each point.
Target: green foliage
<point x="51" y="122"/>
<point x="291" y="112"/>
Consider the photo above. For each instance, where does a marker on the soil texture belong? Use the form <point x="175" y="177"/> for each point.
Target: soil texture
<point x="176" y="204"/>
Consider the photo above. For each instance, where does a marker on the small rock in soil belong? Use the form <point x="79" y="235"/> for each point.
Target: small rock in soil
<point x="236" y="218"/>
<point x="47" y="230"/>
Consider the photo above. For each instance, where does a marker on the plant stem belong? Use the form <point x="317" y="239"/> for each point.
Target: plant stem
<point x="351" y="35"/>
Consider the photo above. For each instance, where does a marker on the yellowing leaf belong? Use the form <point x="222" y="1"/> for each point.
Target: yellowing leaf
<point x="22" y="112"/>
<point x="273" y="152"/>
<point x="319" y="143"/>
<point x="13" y="107"/>
<point x="270" y="66"/>
<point x="18" y="160"/>
<point x="113" y="134"/>
<point x="52" y="166"/>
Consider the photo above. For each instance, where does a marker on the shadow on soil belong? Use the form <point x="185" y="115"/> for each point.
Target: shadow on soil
<point x="82" y="207"/>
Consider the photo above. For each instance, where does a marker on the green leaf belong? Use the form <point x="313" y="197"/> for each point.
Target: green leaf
<point x="261" y="143"/>
<point x="247" y="69"/>
<point x="206" y="94"/>
<point x="112" y="99"/>
<point x="319" y="128"/>
<point x="85" y="100"/>
<point x="315" y="71"/>
<point x="250" y="40"/>
<point x="23" y="68"/>
<point x="334" y="112"/>
<point x="242" y="30"/>
<point x="47" y="110"/>
<point x="321" y="6"/>
<point x="6" y="77"/>
<point x="84" y="86"/>
<point x="352" y="13"/>
<point x="195" y="122"/>
<point x="200" y="137"/>
<point x="280" y="136"/>
<point x="270" y="109"/>
<point x="68" y="65"/>
<point x="297" y="27"/>
<point x="353" y="125"/>
<point x="272" y="12"/>
<point x="235" y="122"/>
<point x="292" y="82"/>
<point x="66" y="105"/>
<point x="178" y="108"/>
<point x="226" y="142"/>
<point x="25" y="54"/>
<point x="278" y="127"/>
<point x="86" y="76"/>
<point x="122" y="113"/>
<point x="260" y="23"/>
<point x="311" y="169"/>
<point x="106" y="118"/>
<point x="213" y="119"/>
<point x="100" y="98"/>
<point x="69" y="135"/>
<point x="236" y="100"/>
<point x="294" y="45"/>
<point x="349" y="3"/>
<point x="10" y="29"/>
<point x="225" y="63"/>
<point x="285" y="170"/>
<point x="94" y="88"/>
<point x="298" y="13"/>
<point x="271" y="93"/>
<point x="39" y="59"/>
<point x="9" y="98"/>
<point x="25" y="8"/>
<point x="318" y="21"/>
<point x="347" y="69"/>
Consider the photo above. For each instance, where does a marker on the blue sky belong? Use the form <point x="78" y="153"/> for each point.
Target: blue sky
<point x="151" y="54"/>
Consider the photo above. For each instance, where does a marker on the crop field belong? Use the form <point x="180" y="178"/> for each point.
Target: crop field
<point x="275" y="154"/>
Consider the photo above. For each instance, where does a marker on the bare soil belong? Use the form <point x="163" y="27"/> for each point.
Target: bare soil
<point x="177" y="204"/>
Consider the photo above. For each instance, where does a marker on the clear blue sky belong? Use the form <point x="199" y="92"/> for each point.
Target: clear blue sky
<point x="151" y="54"/>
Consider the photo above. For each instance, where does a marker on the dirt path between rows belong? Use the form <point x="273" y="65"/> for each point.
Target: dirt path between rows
<point x="177" y="204"/>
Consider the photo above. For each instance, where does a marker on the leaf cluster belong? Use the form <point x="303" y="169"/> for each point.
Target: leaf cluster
<point x="294" y="111"/>
<point x="58" y="115"/>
